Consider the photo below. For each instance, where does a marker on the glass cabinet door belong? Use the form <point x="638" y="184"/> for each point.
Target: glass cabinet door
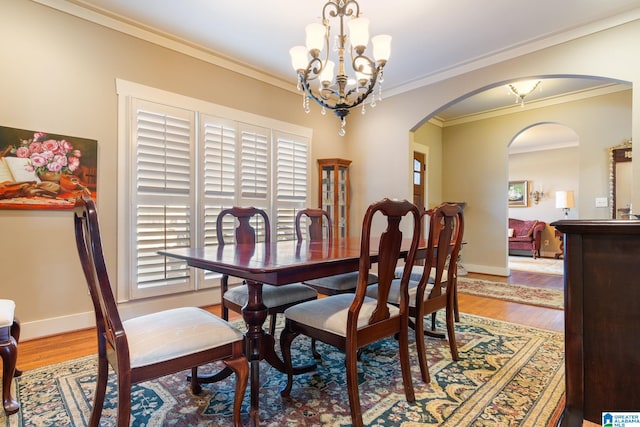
<point x="334" y="193"/>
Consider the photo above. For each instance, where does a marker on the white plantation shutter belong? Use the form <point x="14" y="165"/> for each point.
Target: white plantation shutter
<point x="164" y="143"/>
<point x="219" y="172"/>
<point x="292" y="182"/>
<point x="254" y="164"/>
<point x="182" y="166"/>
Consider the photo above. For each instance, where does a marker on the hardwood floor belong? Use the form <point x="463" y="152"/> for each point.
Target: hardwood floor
<point x="44" y="351"/>
<point x="539" y="317"/>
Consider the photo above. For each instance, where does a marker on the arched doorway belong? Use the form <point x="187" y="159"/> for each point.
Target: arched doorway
<point x="469" y="165"/>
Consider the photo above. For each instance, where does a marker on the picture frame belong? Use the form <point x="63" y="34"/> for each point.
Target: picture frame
<point x="45" y="171"/>
<point x="518" y="194"/>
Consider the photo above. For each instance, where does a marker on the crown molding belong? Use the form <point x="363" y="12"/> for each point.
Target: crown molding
<point x="88" y="12"/>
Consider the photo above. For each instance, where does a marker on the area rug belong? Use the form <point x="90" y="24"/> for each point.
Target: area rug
<point x="525" y="294"/>
<point x="538" y="265"/>
<point x="507" y="375"/>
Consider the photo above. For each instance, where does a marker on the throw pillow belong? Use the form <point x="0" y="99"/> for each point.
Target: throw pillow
<point x="512" y="232"/>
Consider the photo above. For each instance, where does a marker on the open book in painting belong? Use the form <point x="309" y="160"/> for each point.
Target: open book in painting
<point x="15" y="169"/>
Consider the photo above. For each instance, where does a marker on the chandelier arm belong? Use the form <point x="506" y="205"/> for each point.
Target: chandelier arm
<point x="314" y="68"/>
<point x="350" y="8"/>
<point x="322" y="99"/>
<point x="360" y="68"/>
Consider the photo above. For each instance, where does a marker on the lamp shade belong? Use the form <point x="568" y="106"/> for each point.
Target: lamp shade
<point x="564" y="199"/>
<point x="315" y="36"/>
<point x="327" y="72"/>
<point x="381" y="47"/>
<point x="299" y="58"/>
<point x="359" y="31"/>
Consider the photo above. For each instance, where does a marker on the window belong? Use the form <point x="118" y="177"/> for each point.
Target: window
<point x="186" y="160"/>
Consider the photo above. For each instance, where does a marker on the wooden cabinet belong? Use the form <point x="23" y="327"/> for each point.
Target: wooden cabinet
<point x="334" y="193"/>
<point x="602" y="296"/>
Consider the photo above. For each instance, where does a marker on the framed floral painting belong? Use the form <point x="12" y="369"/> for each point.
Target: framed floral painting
<point x="40" y="170"/>
<point x="518" y="194"/>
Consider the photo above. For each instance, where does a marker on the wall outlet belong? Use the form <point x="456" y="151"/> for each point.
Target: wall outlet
<point x="601" y="202"/>
<point x="546" y="242"/>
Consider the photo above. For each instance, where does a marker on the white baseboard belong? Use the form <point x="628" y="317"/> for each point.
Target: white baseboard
<point x="486" y="269"/>
<point x="56" y="325"/>
<point x="78" y="321"/>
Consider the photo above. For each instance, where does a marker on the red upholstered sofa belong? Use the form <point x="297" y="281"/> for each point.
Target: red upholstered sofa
<point x="526" y="235"/>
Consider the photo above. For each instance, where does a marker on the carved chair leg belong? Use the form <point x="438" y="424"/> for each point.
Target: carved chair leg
<point x="15" y="333"/>
<point x="9" y="354"/>
<point x="352" y="386"/>
<point x="240" y="366"/>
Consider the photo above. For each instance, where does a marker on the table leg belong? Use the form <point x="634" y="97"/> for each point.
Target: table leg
<point x="254" y="315"/>
<point x="260" y="345"/>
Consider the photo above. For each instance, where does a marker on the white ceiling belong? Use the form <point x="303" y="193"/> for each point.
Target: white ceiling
<point x="432" y="39"/>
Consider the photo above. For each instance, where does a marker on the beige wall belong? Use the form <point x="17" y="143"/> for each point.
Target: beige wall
<point x="58" y="75"/>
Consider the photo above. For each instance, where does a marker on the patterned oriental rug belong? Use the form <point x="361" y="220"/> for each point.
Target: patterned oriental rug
<point x="543" y="297"/>
<point x="507" y="375"/>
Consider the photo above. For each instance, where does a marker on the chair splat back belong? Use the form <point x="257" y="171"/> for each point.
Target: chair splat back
<point x="316" y="217"/>
<point x="89" y="244"/>
<point x="388" y="254"/>
<point x="244" y="232"/>
<point x="445" y="230"/>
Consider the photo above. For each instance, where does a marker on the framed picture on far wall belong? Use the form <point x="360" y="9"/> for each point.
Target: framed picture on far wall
<point x="41" y="170"/>
<point x="518" y="192"/>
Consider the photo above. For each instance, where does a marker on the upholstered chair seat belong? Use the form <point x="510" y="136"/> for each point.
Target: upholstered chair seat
<point x="188" y="329"/>
<point x="417" y="271"/>
<point x="333" y="317"/>
<point x="272" y="296"/>
<point x="7" y="308"/>
<point x="339" y="284"/>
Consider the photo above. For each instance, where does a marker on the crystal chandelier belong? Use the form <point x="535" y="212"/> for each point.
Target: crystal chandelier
<point x="337" y="91"/>
<point x="523" y="89"/>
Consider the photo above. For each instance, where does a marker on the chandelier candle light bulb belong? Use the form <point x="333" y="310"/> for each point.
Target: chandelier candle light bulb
<point x="336" y="90"/>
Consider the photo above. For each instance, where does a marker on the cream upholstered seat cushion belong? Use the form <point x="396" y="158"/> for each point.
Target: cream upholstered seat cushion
<point x="272" y="296"/>
<point x="417" y="271"/>
<point x="173" y="333"/>
<point x="7" y="308"/>
<point x="341" y="282"/>
<point x="330" y="313"/>
<point x="394" y="291"/>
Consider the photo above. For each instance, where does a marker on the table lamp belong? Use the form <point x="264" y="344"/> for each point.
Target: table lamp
<point x="565" y="201"/>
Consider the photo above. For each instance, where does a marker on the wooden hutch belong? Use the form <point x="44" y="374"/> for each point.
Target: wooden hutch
<point x="602" y="296"/>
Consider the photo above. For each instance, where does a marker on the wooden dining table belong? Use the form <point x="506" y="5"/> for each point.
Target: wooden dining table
<point x="277" y="263"/>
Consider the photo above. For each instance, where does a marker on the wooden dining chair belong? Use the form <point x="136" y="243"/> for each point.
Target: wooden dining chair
<point x="352" y="321"/>
<point x="436" y="286"/>
<point x="9" y="337"/>
<point x="418" y="269"/>
<point x="153" y="345"/>
<point x="330" y="285"/>
<point x="276" y="298"/>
